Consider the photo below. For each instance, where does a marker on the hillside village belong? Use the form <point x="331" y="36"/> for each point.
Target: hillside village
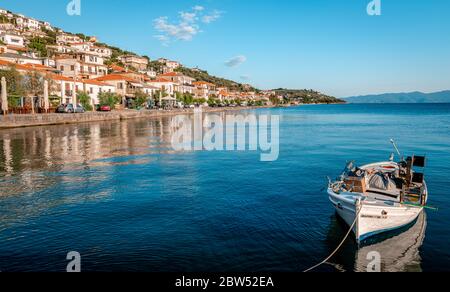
<point x="80" y="69"/>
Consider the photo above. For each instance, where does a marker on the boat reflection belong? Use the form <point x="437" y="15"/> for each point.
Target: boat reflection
<point x="399" y="250"/>
<point x="399" y="253"/>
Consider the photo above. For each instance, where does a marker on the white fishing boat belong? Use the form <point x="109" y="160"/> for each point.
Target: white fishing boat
<point x="380" y="197"/>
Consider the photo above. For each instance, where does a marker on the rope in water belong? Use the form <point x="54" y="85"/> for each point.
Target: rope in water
<point x="339" y="247"/>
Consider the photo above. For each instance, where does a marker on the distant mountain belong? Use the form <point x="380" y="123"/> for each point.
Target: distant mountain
<point x="411" y="97"/>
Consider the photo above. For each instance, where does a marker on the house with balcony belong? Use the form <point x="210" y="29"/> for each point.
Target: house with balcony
<point x="136" y="62"/>
<point x="126" y="86"/>
<point x="204" y="89"/>
<point x="82" y="47"/>
<point x="164" y="85"/>
<point x="67" y="39"/>
<point x="81" y="65"/>
<point x="184" y="84"/>
<point x="64" y="87"/>
<point x="103" y="52"/>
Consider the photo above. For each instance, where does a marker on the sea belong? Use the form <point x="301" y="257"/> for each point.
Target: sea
<point x="125" y="199"/>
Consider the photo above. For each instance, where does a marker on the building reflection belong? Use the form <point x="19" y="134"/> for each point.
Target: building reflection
<point x="27" y="152"/>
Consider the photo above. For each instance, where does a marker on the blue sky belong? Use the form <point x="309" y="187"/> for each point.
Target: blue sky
<point x="332" y="46"/>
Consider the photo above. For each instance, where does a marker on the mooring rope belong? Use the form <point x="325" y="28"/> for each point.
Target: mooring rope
<point x="340" y="245"/>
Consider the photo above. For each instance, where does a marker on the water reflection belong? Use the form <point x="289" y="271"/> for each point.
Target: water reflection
<point x="399" y="250"/>
<point x="59" y="148"/>
<point x="399" y="253"/>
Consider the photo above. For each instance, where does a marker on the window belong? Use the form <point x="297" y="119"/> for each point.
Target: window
<point x="62" y="68"/>
<point x="72" y="68"/>
<point x="120" y="85"/>
<point x="91" y="90"/>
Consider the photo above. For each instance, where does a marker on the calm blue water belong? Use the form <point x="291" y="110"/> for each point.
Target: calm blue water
<point x="118" y="194"/>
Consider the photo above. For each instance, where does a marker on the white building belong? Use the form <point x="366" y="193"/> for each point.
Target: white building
<point x="139" y="63"/>
<point x="81" y="65"/>
<point x="101" y="51"/>
<point x="149" y="73"/>
<point x="28" y="23"/>
<point x="65" y="86"/>
<point x="82" y="46"/>
<point x="61" y="49"/>
<point x="127" y="86"/>
<point x="65" y="39"/>
<point x="164" y="85"/>
<point x="47" y="25"/>
<point x="12" y="39"/>
<point x="184" y="84"/>
<point x="204" y="89"/>
<point x="172" y="65"/>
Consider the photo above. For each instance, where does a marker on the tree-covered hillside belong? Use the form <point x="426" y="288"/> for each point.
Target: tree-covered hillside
<point x="201" y="75"/>
<point x="307" y="96"/>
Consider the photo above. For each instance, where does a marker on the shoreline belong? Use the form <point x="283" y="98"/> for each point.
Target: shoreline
<point x="53" y="119"/>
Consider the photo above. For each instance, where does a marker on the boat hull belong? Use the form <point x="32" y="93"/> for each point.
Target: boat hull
<point x="370" y="219"/>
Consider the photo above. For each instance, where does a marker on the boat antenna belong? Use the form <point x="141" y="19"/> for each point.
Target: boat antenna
<point x="396" y="149"/>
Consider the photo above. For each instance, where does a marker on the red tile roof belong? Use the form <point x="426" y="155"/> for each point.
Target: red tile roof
<point x="38" y="67"/>
<point x="95" y="82"/>
<point x="17" y="48"/>
<point x="115" y="77"/>
<point x="203" y="83"/>
<point x="117" y="68"/>
<point x="160" y="80"/>
<point x="171" y="74"/>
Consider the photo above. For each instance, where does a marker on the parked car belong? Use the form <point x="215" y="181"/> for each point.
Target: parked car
<point x="69" y="109"/>
<point x="104" y="108"/>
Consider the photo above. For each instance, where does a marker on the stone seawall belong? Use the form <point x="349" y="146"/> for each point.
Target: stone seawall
<point x="20" y="121"/>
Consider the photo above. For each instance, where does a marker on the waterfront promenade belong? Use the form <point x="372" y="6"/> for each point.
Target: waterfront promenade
<point x="20" y="121"/>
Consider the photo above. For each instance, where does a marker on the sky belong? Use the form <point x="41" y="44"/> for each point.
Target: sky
<point x="333" y="46"/>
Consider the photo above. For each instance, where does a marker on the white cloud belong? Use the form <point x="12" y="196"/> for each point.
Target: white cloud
<point x="186" y="27"/>
<point x="188" y="17"/>
<point x="198" y="8"/>
<point x="236" y="61"/>
<point x="214" y="16"/>
<point x="182" y="31"/>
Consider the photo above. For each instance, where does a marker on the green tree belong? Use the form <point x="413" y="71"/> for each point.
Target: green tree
<point x="14" y="83"/>
<point x="34" y="86"/>
<point x="110" y="99"/>
<point x="40" y="45"/>
<point x="85" y="100"/>
<point x="140" y="98"/>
